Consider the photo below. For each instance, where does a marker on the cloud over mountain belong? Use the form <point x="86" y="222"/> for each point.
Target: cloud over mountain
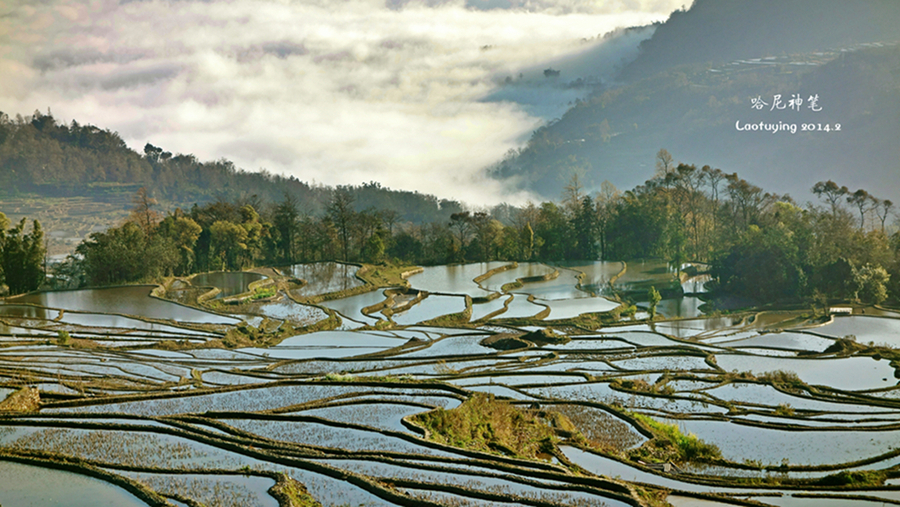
<point x="332" y="92"/>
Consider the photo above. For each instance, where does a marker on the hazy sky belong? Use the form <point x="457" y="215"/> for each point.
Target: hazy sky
<point x="331" y="91"/>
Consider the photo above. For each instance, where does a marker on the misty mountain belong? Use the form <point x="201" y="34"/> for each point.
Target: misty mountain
<point x="703" y="113"/>
<point x="718" y="31"/>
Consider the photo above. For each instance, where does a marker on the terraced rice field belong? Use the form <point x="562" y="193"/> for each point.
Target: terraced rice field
<point x="484" y="384"/>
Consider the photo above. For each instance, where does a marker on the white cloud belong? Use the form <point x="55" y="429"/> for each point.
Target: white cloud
<point x="331" y="91"/>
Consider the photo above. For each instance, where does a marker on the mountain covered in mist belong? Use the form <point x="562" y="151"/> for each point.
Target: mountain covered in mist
<point x="692" y="90"/>
<point x="719" y="31"/>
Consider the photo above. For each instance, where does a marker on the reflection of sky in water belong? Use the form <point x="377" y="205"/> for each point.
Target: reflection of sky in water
<point x="596" y="274"/>
<point x="880" y="330"/>
<point x="454" y="278"/>
<point x="787" y="340"/>
<point x="582" y="354"/>
<point x="520" y="307"/>
<point x="852" y="373"/>
<point x="560" y="288"/>
<point x="686" y="307"/>
<point x="482" y="310"/>
<point x="570" y="308"/>
<point x="692" y="327"/>
<point x="287" y="309"/>
<point x="351" y="307"/>
<point x="738" y="442"/>
<point x="25" y="484"/>
<point x="133" y="300"/>
<point x="325" y="277"/>
<point x="230" y="283"/>
<point x="524" y="270"/>
<point x="27" y="312"/>
<point x="431" y="307"/>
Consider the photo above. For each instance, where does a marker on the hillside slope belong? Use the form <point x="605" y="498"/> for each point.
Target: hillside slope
<point x="719" y="31"/>
<point x="696" y="111"/>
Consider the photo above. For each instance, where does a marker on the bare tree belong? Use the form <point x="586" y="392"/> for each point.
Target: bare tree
<point x="340" y="212"/>
<point x="143" y="213"/>
<point x="664" y="162"/>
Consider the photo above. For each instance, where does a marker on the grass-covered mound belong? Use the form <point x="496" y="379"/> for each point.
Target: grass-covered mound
<point x="669" y="444"/>
<point x="486" y="424"/>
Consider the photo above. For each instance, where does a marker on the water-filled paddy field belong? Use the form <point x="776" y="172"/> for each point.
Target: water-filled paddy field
<point x="477" y="384"/>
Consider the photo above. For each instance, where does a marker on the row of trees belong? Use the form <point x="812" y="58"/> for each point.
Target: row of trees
<point x="759" y="245"/>
<point x="230" y="235"/>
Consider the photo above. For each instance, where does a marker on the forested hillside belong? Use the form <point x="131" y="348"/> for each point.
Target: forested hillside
<point x="41" y="156"/>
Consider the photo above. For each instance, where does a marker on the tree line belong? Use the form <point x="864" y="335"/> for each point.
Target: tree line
<point x="758" y="245"/>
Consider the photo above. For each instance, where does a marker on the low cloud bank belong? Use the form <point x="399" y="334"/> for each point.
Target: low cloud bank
<point x="410" y="94"/>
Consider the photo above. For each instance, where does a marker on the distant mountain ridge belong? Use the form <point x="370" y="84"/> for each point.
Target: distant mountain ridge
<point x="691" y="96"/>
<point x="717" y="31"/>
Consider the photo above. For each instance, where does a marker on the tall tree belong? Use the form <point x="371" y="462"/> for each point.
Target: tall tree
<point x="586" y="231"/>
<point x="115" y="256"/>
<point x="183" y="233"/>
<point x="664" y="162"/>
<point x="461" y="227"/>
<point x="831" y="192"/>
<point x="228" y="245"/>
<point x="22" y="256"/>
<point x="285" y="222"/>
<point x="143" y="212"/>
<point x="862" y="200"/>
<point x="341" y="214"/>
<point x="882" y="210"/>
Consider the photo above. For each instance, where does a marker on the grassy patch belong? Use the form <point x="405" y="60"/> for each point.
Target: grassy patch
<point x="784" y="379"/>
<point x="386" y="275"/>
<point x="295" y="493"/>
<point x="671" y="445"/>
<point x="855" y="479"/>
<point x="641" y="385"/>
<point x="484" y="423"/>
<point x="263" y="292"/>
